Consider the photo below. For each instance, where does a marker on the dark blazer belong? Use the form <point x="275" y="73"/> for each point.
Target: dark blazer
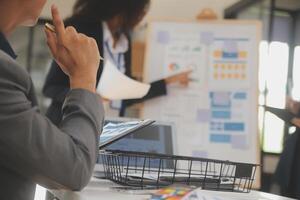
<point x="57" y="83"/>
<point x="287" y="174"/>
<point x="35" y="151"/>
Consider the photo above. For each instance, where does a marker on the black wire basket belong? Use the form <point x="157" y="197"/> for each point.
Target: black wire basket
<point x="153" y="171"/>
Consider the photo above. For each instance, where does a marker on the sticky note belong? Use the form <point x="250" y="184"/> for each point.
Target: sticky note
<point x="220" y="138"/>
<point x="239" y="141"/>
<point x="163" y="37"/>
<point x="221" y="114"/>
<point x="217" y="54"/>
<point x="203" y="116"/>
<point x="207" y="38"/>
<point x="220" y="99"/>
<point x="243" y="54"/>
<point x="240" y="95"/>
<point x="234" y="126"/>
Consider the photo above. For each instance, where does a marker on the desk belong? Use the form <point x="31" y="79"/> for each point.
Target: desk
<point x="99" y="189"/>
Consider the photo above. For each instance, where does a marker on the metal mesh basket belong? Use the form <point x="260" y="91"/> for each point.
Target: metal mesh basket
<point x="152" y="170"/>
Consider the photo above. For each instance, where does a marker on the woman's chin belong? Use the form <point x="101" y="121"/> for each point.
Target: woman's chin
<point x="30" y="22"/>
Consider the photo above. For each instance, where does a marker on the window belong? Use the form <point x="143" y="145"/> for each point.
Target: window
<point x="296" y="73"/>
<point x="272" y="81"/>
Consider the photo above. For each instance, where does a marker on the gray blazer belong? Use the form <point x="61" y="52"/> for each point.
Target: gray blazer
<point x="33" y="150"/>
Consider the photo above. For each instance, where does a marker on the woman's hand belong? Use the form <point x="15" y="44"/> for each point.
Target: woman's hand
<point x="292" y="105"/>
<point x="181" y="78"/>
<point x="76" y="54"/>
<point x="296" y="122"/>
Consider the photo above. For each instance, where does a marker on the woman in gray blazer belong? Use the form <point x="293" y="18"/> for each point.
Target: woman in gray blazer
<point x="32" y="149"/>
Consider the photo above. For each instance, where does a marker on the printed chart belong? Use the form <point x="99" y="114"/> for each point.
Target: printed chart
<point x="216" y="115"/>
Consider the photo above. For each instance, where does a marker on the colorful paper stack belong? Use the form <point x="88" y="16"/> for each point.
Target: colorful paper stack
<point x="172" y="193"/>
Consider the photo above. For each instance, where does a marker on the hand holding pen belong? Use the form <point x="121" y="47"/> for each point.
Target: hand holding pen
<point x="77" y="54"/>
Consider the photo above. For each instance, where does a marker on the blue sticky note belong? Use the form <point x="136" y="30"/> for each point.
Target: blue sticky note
<point x="221" y="114"/>
<point x="219" y="138"/>
<point x="230" y="55"/>
<point x="240" y="95"/>
<point x="234" y="126"/>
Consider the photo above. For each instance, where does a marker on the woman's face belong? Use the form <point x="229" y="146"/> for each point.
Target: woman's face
<point x="123" y="22"/>
<point x="139" y="17"/>
<point x="31" y="11"/>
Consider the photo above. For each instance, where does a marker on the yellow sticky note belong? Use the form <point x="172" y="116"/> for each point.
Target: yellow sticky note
<point x="243" y="54"/>
<point x="216" y="76"/>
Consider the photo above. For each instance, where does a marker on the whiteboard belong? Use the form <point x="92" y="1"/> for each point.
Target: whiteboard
<point x="216" y="116"/>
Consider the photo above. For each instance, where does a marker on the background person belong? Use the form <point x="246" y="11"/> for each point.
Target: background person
<point x="110" y="23"/>
<point x="287" y="174"/>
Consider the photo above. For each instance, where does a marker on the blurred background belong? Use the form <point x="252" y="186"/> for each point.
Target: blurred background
<point x="279" y="57"/>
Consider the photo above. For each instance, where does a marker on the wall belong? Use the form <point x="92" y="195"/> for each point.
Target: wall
<point x="65" y="8"/>
<point x="186" y="9"/>
<point x="183" y="9"/>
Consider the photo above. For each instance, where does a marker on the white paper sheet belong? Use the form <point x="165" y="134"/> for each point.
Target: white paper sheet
<point x="199" y="194"/>
<point x="114" y="85"/>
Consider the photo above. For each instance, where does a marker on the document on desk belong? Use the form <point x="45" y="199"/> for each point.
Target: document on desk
<point x="114" y="85"/>
<point x="199" y="194"/>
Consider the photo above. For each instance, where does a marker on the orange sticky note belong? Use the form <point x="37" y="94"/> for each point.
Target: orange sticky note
<point x="218" y="54"/>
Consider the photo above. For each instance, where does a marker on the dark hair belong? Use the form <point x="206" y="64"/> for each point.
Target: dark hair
<point x="102" y="10"/>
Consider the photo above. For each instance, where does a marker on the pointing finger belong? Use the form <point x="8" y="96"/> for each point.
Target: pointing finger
<point x="58" y="23"/>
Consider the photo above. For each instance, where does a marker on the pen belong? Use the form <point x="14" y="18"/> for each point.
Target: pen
<point x="51" y="28"/>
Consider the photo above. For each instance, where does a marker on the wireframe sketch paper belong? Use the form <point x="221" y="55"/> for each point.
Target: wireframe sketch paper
<point x="114" y="85"/>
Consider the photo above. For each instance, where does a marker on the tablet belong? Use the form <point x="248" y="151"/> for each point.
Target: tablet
<point x="113" y="132"/>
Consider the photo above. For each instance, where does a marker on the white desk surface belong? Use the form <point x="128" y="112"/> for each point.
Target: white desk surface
<point x="99" y="189"/>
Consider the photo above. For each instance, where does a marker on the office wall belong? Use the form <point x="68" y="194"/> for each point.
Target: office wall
<point x="186" y="9"/>
<point x="183" y="9"/>
<point x="65" y="7"/>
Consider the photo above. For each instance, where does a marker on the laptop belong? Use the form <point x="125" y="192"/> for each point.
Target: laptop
<point x="156" y="138"/>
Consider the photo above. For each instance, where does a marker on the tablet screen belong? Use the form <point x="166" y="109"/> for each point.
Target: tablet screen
<point x="115" y="130"/>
